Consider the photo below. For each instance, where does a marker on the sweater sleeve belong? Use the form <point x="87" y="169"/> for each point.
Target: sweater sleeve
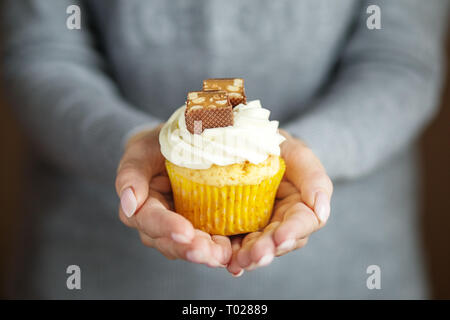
<point x="384" y="91"/>
<point x="57" y="83"/>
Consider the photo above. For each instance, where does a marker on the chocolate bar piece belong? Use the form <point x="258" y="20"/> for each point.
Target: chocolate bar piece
<point x="234" y="87"/>
<point x="207" y="109"/>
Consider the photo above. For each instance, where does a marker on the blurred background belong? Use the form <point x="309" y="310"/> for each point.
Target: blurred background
<point x="16" y="159"/>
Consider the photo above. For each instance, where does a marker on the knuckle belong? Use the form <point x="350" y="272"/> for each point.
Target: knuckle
<point x="251" y="236"/>
<point x="139" y="217"/>
<point x="123" y="177"/>
<point x="271" y="226"/>
<point x="126" y="170"/>
<point x="168" y="255"/>
<point x="309" y="222"/>
<point x="131" y="172"/>
<point x="130" y="167"/>
<point x="165" y="249"/>
<point x="146" y="241"/>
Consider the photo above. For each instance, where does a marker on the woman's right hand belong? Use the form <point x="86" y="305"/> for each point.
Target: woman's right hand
<point x="146" y="204"/>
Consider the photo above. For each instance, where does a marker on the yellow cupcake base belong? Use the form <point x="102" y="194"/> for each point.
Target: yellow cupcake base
<point x="225" y="210"/>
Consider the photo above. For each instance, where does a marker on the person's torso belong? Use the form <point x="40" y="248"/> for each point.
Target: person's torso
<point x="158" y="50"/>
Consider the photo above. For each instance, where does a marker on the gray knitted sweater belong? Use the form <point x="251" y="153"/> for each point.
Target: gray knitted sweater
<point x="358" y="97"/>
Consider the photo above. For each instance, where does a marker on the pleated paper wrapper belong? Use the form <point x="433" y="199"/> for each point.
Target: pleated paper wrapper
<point x="225" y="210"/>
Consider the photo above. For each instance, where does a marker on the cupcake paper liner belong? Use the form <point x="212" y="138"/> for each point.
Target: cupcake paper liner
<point x="227" y="210"/>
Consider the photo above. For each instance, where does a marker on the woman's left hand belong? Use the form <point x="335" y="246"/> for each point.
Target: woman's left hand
<point x="302" y="206"/>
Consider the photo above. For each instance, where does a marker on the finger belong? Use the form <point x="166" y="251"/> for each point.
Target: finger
<point x="299" y="222"/>
<point x="285" y="189"/>
<point x="156" y="221"/>
<point x="202" y="234"/>
<point x="163" y="245"/>
<point x="243" y="256"/>
<point x="308" y="175"/>
<point x="282" y="205"/>
<point x="158" y="197"/>
<point x="142" y="159"/>
<point x="215" y="249"/>
<point x="132" y="183"/>
<point x="300" y="243"/>
<point x="199" y="251"/>
<point x="233" y="267"/>
<point x="130" y="221"/>
<point x="146" y="240"/>
<point x="169" y="200"/>
<point x="221" y="249"/>
<point x="262" y="250"/>
<point x="250" y="236"/>
<point x="169" y="248"/>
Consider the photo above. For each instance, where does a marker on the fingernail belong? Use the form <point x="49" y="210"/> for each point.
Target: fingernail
<point x="195" y="256"/>
<point x="285" y="246"/>
<point x="322" y="206"/>
<point x="237" y="275"/>
<point x="265" y="260"/>
<point x="180" y="238"/>
<point x="128" y="202"/>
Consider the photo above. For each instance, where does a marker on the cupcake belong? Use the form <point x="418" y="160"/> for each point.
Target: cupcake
<point x="223" y="159"/>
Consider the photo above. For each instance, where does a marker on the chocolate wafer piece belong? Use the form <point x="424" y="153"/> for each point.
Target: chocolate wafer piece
<point x="234" y="87"/>
<point x="208" y="109"/>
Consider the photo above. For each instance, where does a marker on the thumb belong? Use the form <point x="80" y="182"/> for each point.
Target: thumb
<point x="132" y="185"/>
<point x="305" y="171"/>
<point x="135" y="172"/>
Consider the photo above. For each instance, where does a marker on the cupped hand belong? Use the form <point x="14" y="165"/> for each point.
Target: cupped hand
<point x="146" y="204"/>
<point x="302" y="206"/>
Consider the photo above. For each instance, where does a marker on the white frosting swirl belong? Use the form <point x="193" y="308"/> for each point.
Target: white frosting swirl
<point x="251" y="138"/>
